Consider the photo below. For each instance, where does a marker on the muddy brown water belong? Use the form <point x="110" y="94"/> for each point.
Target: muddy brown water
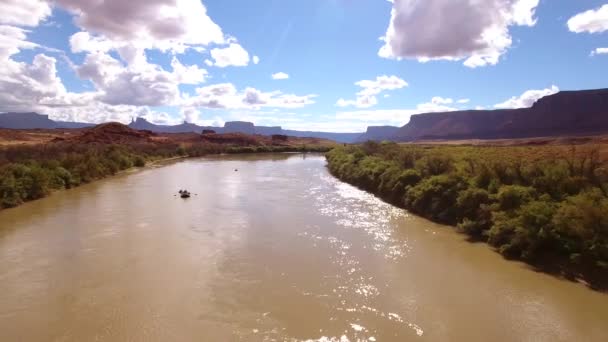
<point x="276" y="251"/>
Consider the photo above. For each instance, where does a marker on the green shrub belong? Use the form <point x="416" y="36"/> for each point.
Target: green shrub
<point x="581" y="223"/>
<point x="436" y="197"/>
<point x="511" y="197"/>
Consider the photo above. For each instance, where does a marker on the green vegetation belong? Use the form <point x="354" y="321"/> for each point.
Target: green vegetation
<point x="536" y="203"/>
<point x="32" y="172"/>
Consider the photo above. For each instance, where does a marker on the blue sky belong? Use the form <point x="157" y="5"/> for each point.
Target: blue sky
<point x="338" y="65"/>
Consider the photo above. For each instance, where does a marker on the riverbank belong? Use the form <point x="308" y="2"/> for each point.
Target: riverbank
<point x="32" y="171"/>
<point x="546" y="205"/>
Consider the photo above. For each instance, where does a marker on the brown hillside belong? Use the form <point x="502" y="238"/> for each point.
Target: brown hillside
<point x="112" y="133"/>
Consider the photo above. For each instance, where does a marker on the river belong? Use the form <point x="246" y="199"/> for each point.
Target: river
<point x="276" y="251"/>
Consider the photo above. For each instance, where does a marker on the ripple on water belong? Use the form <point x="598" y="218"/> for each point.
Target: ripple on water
<point x="352" y="208"/>
<point x="356" y="291"/>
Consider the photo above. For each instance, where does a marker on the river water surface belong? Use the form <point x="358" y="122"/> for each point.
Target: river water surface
<point x="276" y="251"/>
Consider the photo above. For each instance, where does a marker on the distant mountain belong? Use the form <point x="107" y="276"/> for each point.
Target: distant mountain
<point x="35" y="121"/>
<point x="243" y="127"/>
<point x="26" y="121"/>
<point x="564" y="113"/>
<point x="378" y="133"/>
<point x="339" y="137"/>
<point x="143" y="124"/>
<point x="74" y="125"/>
<point x="239" y="127"/>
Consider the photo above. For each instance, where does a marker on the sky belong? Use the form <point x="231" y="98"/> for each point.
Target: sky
<point x="326" y="65"/>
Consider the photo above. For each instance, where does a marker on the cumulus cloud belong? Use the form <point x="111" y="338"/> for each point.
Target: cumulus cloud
<point x="24" y="86"/>
<point x="163" y="24"/>
<point x="24" y="12"/>
<point x="226" y="96"/>
<point x="187" y="74"/>
<point x="190" y="114"/>
<point x="438" y="100"/>
<point x="12" y="40"/>
<point x="37" y="87"/>
<point x="474" y="30"/>
<point x="138" y="84"/>
<point x="527" y="99"/>
<point x="591" y="21"/>
<point x="280" y="76"/>
<point x="396" y="117"/>
<point x="255" y="59"/>
<point x="599" y="51"/>
<point x="233" y="55"/>
<point x="366" y="97"/>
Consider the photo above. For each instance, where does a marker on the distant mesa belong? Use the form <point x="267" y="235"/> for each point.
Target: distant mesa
<point x="565" y="113"/>
<point x="242" y="127"/>
<point x="239" y="127"/>
<point x="378" y="133"/>
<point x="35" y="121"/>
<point x="39" y="121"/>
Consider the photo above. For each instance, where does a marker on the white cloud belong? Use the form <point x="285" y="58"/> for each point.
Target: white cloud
<point x="139" y="83"/>
<point x="187" y="74"/>
<point x="25" y="86"/>
<point x="83" y="42"/>
<point x="226" y="96"/>
<point x="366" y="97"/>
<point x="162" y="24"/>
<point x="13" y="39"/>
<point x="591" y="21"/>
<point x="474" y="30"/>
<point x="37" y="87"/>
<point x="255" y="59"/>
<point x="599" y="51"/>
<point x="233" y="55"/>
<point x="24" y="12"/>
<point x="190" y="114"/>
<point x="358" y="120"/>
<point x="280" y="76"/>
<point x="438" y="100"/>
<point x="463" y="101"/>
<point x="527" y="99"/>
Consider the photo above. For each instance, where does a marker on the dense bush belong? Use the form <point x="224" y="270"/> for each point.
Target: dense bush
<point x="531" y="203"/>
